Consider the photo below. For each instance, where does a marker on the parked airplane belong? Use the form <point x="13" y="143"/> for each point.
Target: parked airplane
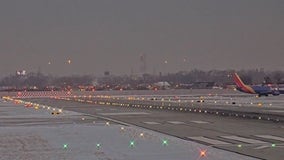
<point x="261" y="90"/>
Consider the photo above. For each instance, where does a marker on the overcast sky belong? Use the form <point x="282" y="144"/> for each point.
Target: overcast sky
<point x="173" y="35"/>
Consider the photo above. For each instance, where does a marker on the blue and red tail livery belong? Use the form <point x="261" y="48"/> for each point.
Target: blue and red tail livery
<point x="261" y="90"/>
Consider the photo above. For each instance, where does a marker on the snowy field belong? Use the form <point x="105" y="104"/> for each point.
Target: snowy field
<point x="33" y="133"/>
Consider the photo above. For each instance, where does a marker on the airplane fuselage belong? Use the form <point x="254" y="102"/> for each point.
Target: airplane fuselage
<point x="261" y="90"/>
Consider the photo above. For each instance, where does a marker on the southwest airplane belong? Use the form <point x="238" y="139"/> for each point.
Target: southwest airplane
<point x="261" y="90"/>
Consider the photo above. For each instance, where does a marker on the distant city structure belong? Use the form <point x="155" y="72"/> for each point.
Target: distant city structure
<point x="194" y="79"/>
<point x="106" y="73"/>
<point x="21" y="72"/>
<point x="142" y="60"/>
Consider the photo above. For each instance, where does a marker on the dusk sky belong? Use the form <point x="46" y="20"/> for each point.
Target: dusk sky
<point x="100" y="35"/>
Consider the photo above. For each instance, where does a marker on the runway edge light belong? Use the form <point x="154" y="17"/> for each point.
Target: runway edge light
<point x="165" y="142"/>
<point x="132" y="143"/>
<point x="65" y="146"/>
<point x="202" y="153"/>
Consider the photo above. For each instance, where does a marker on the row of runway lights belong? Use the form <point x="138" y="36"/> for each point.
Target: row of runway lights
<point x="131" y="132"/>
<point x="176" y="99"/>
<point x="171" y="107"/>
<point x="134" y="133"/>
<point x="202" y="153"/>
<point x="201" y="99"/>
<point x="54" y="111"/>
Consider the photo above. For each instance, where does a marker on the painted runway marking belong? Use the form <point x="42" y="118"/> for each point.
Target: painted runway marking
<point x="271" y="137"/>
<point x="199" y="122"/>
<point x="209" y="141"/>
<point x="152" y="123"/>
<point x="8" y="104"/>
<point x="242" y="139"/>
<point x="175" y="122"/>
<point x="123" y="113"/>
<point x="262" y="147"/>
<point x="269" y="146"/>
<point x="276" y="111"/>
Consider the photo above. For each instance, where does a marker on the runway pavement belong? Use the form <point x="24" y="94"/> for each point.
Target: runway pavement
<point x="249" y="136"/>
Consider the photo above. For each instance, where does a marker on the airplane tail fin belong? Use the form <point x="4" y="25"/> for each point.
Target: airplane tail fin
<point x="240" y="84"/>
<point x="238" y="81"/>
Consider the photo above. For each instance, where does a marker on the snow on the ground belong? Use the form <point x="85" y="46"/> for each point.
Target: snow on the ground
<point x="92" y="141"/>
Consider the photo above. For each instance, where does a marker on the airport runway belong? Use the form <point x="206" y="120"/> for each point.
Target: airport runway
<point x="31" y="131"/>
<point x="249" y="136"/>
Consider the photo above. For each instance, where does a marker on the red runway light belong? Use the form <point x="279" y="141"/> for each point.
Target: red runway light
<point x="202" y="153"/>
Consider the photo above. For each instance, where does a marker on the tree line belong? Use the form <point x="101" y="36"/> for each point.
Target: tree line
<point x="219" y="77"/>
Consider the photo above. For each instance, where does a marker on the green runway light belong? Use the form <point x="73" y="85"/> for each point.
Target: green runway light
<point x="98" y="145"/>
<point x="65" y="146"/>
<point x="240" y="146"/>
<point x="273" y="145"/>
<point x="132" y="144"/>
<point x="165" y="142"/>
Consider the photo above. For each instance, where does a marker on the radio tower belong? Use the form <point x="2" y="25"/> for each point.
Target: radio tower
<point x="142" y="63"/>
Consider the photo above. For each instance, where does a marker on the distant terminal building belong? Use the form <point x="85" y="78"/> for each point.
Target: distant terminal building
<point x="203" y="85"/>
<point x="162" y="85"/>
